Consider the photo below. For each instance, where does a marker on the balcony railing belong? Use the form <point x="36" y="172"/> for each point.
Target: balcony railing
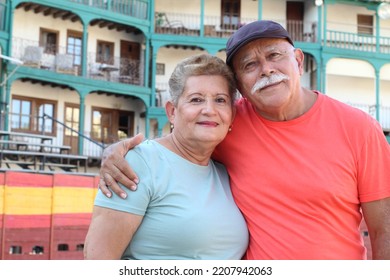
<point x="189" y="24"/>
<point x="384" y="113"/>
<point x="56" y="59"/>
<point x="134" y="8"/>
<point x="357" y="42"/>
<point x="214" y="26"/>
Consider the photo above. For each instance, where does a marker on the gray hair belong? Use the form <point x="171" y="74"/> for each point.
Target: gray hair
<point x="198" y="65"/>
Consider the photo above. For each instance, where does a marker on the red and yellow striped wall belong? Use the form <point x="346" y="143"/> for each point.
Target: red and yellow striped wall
<point x="44" y="216"/>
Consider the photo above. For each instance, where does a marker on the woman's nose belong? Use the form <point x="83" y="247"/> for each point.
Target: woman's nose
<point x="209" y="106"/>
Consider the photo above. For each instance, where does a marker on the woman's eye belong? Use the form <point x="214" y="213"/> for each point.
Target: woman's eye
<point x="221" y="100"/>
<point x="195" y="100"/>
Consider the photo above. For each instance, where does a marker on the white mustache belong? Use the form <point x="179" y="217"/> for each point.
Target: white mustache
<point x="266" y="81"/>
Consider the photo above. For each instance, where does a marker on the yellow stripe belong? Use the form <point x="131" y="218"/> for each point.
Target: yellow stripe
<point x="73" y="200"/>
<point x="45" y="201"/>
<point x="23" y="201"/>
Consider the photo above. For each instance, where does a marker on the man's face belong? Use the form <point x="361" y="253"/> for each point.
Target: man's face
<point x="268" y="74"/>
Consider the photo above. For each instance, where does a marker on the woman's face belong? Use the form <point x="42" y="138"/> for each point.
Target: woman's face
<point x="204" y="111"/>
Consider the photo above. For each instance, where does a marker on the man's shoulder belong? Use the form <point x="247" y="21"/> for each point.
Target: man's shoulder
<point x="340" y="107"/>
<point x="243" y="106"/>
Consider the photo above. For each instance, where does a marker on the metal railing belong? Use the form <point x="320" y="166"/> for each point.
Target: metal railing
<point x="189" y="24"/>
<point x="215" y="26"/>
<point x="56" y="59"/>
<point x="47" y="125"/>
<point x="384" y="113"/>
<point x="89" y="149"/>
<point x="357" y="42"/>
<point x="134" y="8"/>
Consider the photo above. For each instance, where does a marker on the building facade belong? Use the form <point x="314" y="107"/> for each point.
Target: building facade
<point x="91" y="72"/>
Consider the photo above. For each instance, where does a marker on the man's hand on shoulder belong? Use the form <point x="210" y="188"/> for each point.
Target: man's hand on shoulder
<point x="114" y="168"/>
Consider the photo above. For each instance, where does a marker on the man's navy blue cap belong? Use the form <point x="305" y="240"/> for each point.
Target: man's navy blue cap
<point x="252" y="31"/>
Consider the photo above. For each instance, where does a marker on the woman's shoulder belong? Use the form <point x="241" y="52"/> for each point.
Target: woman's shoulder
<point x="144" y="153"/>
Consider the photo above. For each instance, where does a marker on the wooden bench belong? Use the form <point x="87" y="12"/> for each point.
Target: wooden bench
<point x="11" y="135"/>
<point x="23" y="164"/>
<point x="25" y="145"/>
<point x="21" y="158"/>
<point x="40" y="160"/>
<point x="64" y="161"/>
<point x="13" y="145"/>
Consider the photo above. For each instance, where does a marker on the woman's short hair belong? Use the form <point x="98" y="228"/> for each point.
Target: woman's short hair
<point x="198" y="65"/>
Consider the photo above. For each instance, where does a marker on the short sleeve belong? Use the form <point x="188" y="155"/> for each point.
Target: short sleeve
<point x="373" y="166"/>
<point x="136" y="201"/>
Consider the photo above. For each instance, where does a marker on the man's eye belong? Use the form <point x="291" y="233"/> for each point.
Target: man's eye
<point x="274" y="55"/>
<point x="250" y="65"/>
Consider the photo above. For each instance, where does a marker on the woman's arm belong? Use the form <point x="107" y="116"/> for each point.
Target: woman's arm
<point x="110" y="232"/>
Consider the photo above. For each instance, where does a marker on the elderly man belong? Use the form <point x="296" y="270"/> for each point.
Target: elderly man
<point x="303" y="167"/>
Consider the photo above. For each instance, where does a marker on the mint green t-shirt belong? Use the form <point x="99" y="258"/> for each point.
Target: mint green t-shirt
<point x="188" y="209"/>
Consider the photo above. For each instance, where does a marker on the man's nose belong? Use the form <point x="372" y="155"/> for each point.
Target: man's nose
<point x="266" y="68"/>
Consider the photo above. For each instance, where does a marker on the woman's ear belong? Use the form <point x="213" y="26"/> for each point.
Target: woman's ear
<point x="170" y="110"/>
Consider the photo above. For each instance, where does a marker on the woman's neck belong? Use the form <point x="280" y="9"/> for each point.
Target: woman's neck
<point x="196" y="153"/>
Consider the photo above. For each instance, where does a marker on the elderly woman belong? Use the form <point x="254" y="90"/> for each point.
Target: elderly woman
<point x="183" y="208"/>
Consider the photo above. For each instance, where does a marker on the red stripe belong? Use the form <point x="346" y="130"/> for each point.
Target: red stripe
<point x="44" y="221"/>
<point x="81" y="219"/>
<point x="23" y="179"/>
<point x="26" y="221"/>
<point x="67" y="180"/>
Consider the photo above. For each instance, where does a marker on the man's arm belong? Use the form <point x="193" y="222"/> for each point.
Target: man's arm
<point x="114" y="168"/>
<point x="377" y="217"/>
<point x="110" y="232"/>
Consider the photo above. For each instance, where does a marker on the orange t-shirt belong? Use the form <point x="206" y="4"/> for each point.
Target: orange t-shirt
<point x="299" y="183"/>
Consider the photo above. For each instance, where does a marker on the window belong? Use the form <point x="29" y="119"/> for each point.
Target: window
<point x="74" y="46"/>
<point x="15" y="250"/>
<point x="37" y="250"/>
<point x="21" y="114"/>
<point x="102" y="125"/>
<point x="230" y="14"/>
<point x="365" y="24"/>
<point x="110" y="125"/>
<point x="125" y="128"/>
<point x="49" y="41"/>
<point x="79" y="247"/>
<point x="63" y="247"/>
<point x="72" y="115"/>
<point x="27" y="115"/>
<point x="160" y="69"/>
<point x="105" y="52"/>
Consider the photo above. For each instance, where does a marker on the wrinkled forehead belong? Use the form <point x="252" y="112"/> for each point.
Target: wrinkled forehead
<point x="261" y="47"/>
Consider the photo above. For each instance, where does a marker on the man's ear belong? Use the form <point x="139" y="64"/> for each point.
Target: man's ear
<point x="170" y="110"/>
<point x="300" y="57"/>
